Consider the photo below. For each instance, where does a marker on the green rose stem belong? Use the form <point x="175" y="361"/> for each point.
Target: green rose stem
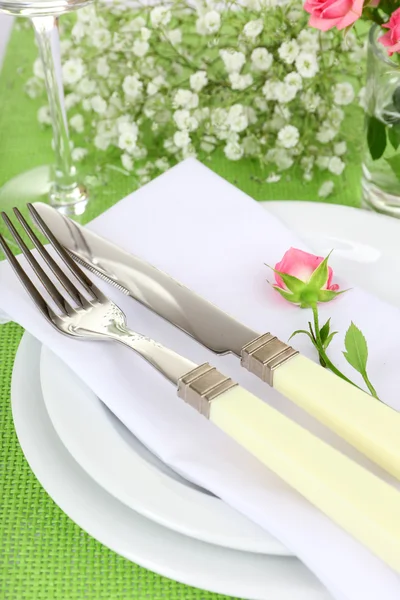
<point x="319" y="346"/>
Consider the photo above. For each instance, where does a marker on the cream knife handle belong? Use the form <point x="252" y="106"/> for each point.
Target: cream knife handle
<point x="361" y="503"/>
<point x="367" y="424"/>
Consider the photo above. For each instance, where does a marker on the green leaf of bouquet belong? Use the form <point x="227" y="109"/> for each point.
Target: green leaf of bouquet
<point x="356" y="349"/>
<point x="396" y="98"/>
<point x="324" y="331"/>
<point x="394" y="135"/>
<point x="294" y="298"/>
<point x="320" y="276"/>
<point x="376" y="137"/>
<point x="394" y="162"/>
<point x="300" y="331"/>
<point x="329" y="339"/>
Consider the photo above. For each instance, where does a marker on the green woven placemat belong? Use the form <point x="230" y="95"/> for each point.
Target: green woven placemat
<point x="43" y="554"/>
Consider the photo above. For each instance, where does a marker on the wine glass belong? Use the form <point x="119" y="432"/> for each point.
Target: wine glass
<point x="58" y="183"/>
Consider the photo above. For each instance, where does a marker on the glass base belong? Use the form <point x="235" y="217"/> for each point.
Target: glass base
<point x="380" y="201"/>
<point x="37" y="186"/>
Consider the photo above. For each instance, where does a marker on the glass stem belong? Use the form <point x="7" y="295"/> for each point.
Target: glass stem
<point x="47" y="36"/>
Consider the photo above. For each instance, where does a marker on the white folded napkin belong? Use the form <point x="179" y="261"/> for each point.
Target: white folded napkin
<point x="215" y="239"/>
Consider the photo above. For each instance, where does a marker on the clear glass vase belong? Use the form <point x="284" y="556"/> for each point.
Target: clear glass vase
<point x="381" y="164"/>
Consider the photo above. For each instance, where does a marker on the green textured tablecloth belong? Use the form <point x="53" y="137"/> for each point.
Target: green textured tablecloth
<point x="43" y="554"/>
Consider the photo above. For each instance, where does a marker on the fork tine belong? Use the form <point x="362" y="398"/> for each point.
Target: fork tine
<point x="60" y="301"/>
<point x="73" y="267"/>
<point x="37" y="298"/>
<point x="67" y="284"/>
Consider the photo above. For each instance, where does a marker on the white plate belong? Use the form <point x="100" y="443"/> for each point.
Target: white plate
<point x="117" y="461"/>
<point x="366" y="246"/>
<point x="140" y="540"/>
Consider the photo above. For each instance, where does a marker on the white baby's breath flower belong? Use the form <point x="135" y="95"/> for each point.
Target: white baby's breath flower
<point x="260" y="103"/>
<point x="127" y="162"/>
<point x="77" y="123"/>
<point x="78" y="32"/>
<point x="174" y="36"/>
<point x="335" y="116"/>
<point x="289" y="51"/>
<point x="308" y="40"/>
<point x="284" y="92"/>
<point x="140" y="48"/>
<point x="132" y="86"/>
<point x="340" y="148"/>
<point x="326" y="133"/>
<point x="322" y="162"/>
<point x="269" y="89"/>
<point x="86" y="87"/>
<point x="311" y="101"/>
<point x="198" y="80"/>
<point x="240" y="82"/>
<point x="307" y="65"/>
<point x="343" y="93"/>
<point x="326" y="189"/>
<point x="126" y="126"/>
<point x="44" y="116"/>
<point x="288" y="136"/>
<point x="38" y="69"/>
<point x="86" y="104"/>
<point x="252" y="29"/>
<point x="336" y="165"/>
<point x="232" y="60"/>
<point x="261" y="59"/>
<point x="99" y="105"/>
<point x="273" y="178"/>
<point x="78" y="154"/>
<point x="184" y="120"/>
<point x="233" y="151"/>
<point x="185" y="99"/>
<point x="127" y="141"/>
<point x="145" y="33"/>
<point x="160" y="15"/>
<point x="282" y="159"/>
<point x="181" y="139"/>
<point x="72" y="71"/>
<point x="294" y="79"/>
<point x="100" y="38"/>
<point x="211" y="21"/>
<point x="102" y="142"/>
<point x="162" y="164"/>
<point x="102" y="67"/>
<point x="135" y="25"/>
<point x="237" y="120"/>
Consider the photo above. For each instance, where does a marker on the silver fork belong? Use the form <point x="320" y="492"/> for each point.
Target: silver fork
<point x="91" y="315"/>
<point x="327" y="478"/>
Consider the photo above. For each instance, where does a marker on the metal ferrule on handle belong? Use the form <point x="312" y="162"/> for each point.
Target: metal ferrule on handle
<point x="265" y="354"/>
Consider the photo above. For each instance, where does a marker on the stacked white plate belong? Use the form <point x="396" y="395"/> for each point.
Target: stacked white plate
<point x="124" y="496"/>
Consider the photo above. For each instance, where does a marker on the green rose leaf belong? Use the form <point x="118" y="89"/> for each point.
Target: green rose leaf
<point x="294" y="298"/>
<point x="394" y="162"/>
<point x="324" y="331"/>
<point x="356" y="349"/>
<point x="394" y="135"/>
<point x="376" y="137"/>
<point x="292" y="283"/>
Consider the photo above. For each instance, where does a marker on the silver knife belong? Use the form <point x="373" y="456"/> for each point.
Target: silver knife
<point x="369" y="425"/>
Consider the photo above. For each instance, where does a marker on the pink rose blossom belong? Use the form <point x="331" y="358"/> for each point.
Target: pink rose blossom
<point x="391" y="39"/>
<point x="302" y="265"/>
<point x="326" y="14"/>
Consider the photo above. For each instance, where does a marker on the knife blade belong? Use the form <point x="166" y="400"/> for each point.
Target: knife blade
<point x="369" y="425"/>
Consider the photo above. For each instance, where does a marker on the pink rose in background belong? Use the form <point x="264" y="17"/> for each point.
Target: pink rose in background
<point x="302" y="265"/>
<point x="326" y="14"/>
<point x="391" y="39"/>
